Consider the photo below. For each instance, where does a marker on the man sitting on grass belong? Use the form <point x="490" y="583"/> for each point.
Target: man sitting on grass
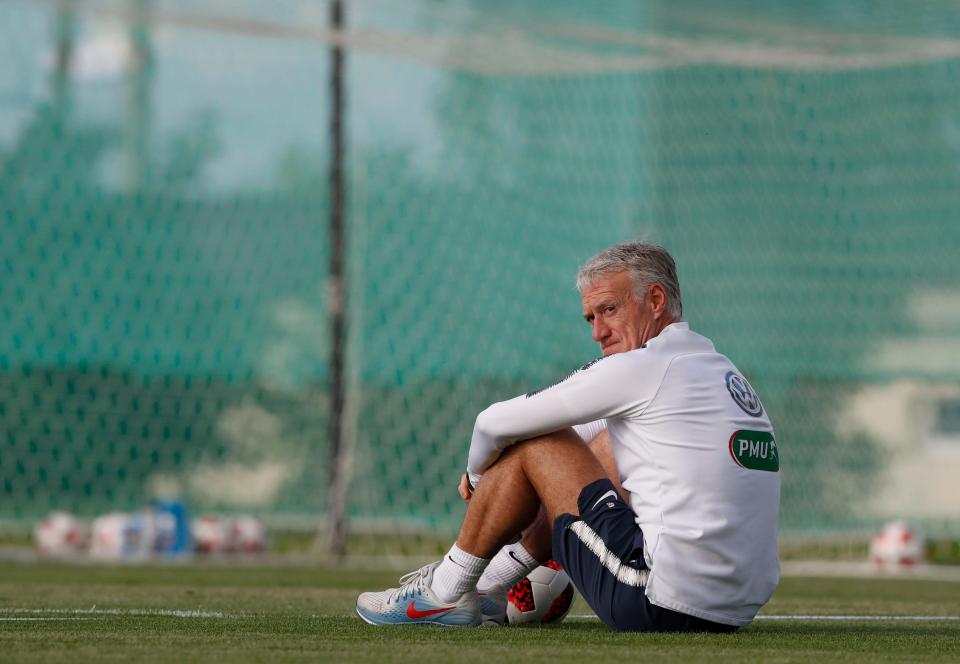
<point x="666" y="522"/>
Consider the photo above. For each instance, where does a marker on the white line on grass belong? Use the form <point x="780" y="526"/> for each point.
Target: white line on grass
<point x="857" y="618"/>
<point x="169" y="613"/>
<point x="590" y="616"/>
<point x="45" y="619"/>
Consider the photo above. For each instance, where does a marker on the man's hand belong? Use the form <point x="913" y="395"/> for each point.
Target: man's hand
<point x="465" y="491"/>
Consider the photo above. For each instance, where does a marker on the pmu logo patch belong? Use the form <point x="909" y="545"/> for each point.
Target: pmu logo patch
<point x="756" y="450"/>
<point x="743" y="394"/>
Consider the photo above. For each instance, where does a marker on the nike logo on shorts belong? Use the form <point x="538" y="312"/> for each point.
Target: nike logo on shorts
<point x="611" y="493"/>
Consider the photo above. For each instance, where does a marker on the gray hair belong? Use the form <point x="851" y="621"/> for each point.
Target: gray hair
<point x="647" y="264"/>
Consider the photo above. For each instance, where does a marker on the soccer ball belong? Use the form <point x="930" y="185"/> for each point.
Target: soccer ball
<point x="216" y="535"/>
<point x="211" y="534"/>
<point x="247" y="534"/>
<point x="896" y="545"/>
<point x="544" y="597"/>
<point x="119" y="536"/>
<point x="59" y="534"/>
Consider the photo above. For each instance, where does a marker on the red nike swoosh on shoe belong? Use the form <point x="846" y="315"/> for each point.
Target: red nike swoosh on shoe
<point x="413" y="613"/>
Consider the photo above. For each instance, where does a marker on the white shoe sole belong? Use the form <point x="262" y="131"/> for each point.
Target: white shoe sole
<point x="418" y="622"/>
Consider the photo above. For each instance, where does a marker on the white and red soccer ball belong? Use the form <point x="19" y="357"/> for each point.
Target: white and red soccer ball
<point x="59" y="534"/>
<point x="543" y="597"/>
<point x="120" y="536"/>
<point x="247" y="534"/>
<point x="241" y="534"/>
<point x="211" y="534"/>
<point x="897" y="546"/>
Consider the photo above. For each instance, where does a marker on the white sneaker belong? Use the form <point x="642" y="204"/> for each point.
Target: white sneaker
<point x="493" y="606"/>
<point x="413" y="603"/>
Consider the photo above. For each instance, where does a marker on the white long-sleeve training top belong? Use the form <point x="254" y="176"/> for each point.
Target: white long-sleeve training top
<point x="695" y="449"/>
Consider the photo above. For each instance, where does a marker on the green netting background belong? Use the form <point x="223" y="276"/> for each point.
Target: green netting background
<point x="163" y="191"/>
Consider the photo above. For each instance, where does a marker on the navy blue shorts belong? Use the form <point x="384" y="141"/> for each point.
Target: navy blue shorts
<point x="602" y="552"/>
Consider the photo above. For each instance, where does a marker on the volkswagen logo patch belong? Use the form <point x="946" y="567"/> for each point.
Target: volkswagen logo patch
<point x="743" y="394"/>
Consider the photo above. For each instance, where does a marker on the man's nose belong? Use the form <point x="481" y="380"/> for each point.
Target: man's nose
<point x="600" y="330"/>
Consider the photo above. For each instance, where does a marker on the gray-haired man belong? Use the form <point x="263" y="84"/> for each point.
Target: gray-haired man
<point x="666" y="522"/>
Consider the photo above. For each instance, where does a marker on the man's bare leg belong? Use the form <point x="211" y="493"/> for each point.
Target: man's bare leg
<point x="538" y="537"/>
<point x="516" y="560"/>
<point x="549" y="471"/>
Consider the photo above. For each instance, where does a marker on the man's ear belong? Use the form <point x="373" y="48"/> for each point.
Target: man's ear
<point x="657" y="300"/>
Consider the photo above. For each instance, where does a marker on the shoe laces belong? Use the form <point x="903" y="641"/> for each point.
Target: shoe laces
<point x="412" y="583"/>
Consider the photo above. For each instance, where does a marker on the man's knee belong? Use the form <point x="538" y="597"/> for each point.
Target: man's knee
<point x="532" y="446"/>
<point x="558" y="465"/>
<point x="551" y="442"/>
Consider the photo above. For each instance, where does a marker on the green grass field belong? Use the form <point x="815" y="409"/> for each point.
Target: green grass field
<point x="207" y="612"/>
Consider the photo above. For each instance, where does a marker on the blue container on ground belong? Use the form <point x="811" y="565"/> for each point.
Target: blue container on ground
<point x="172" y="528"/>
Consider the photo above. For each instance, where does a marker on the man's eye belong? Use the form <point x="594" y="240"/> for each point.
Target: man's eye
<point x="610" y="309"/>
<point x="589" y="319"/>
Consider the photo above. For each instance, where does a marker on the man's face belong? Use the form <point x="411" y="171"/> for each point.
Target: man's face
<point x="617" y="320"/>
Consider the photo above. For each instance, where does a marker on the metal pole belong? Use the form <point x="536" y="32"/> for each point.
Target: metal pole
<point x="139" y="112"/>
<point x="63" y="34"/>
<point x="337" y="496"/>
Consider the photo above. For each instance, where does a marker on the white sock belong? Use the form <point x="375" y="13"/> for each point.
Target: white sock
<point x="457" y="574"/>
<point x="511" y="564"/>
